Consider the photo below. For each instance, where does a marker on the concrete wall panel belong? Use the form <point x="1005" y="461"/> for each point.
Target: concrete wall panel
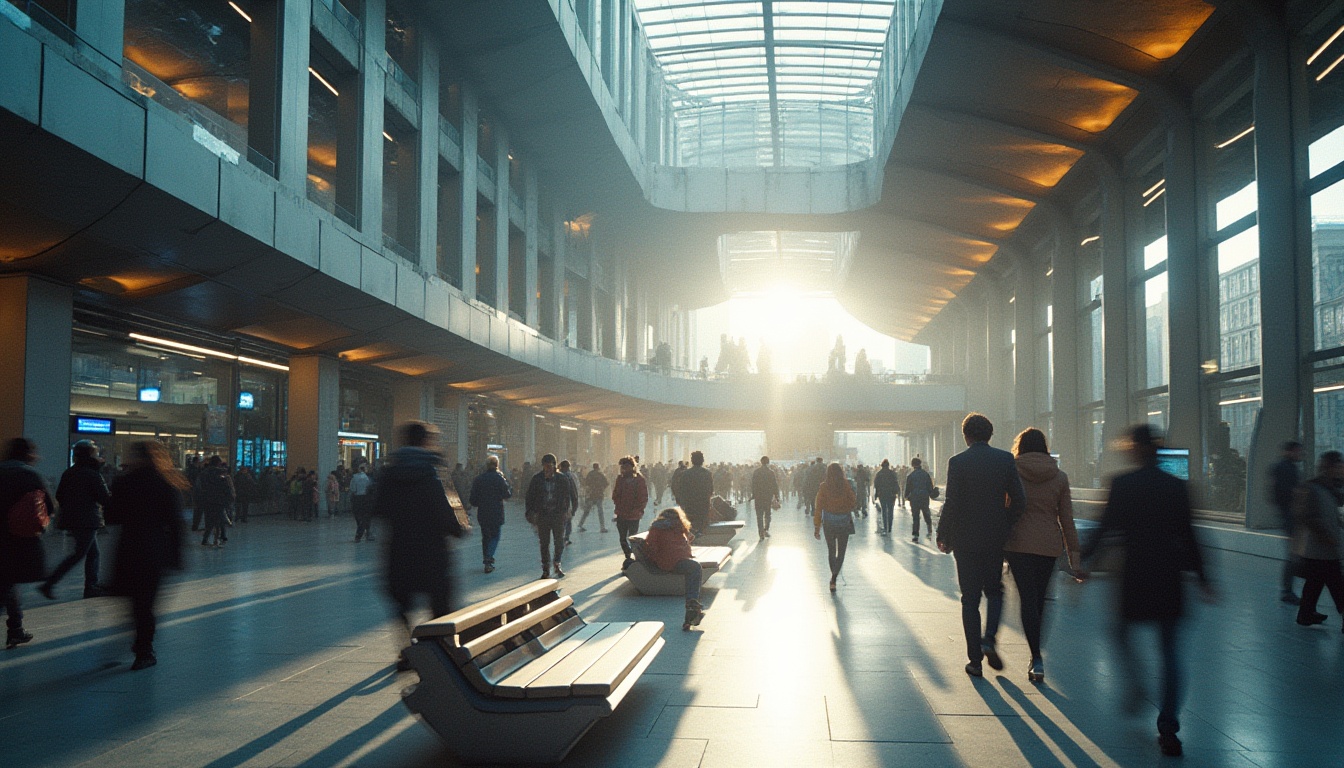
<point x="247" y="201"/>
<point x="378" y="276"/>
<point x="438" y="299"/>
<point x="297" y="230"/>
<point x="88" y="113"/>
<point x="21" y="61"/>
<point x="338" y="254"/>
<point x="410" y="290"/>
<point x="177" y="163"/>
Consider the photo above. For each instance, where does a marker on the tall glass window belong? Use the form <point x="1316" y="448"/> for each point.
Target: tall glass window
<point x="1325" y="154"/>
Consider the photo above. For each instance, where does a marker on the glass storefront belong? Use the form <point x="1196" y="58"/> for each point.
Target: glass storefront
<point x="176" y="393"/>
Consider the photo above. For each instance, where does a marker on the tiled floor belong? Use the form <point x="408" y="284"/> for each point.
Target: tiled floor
<point x="275" y="651"/>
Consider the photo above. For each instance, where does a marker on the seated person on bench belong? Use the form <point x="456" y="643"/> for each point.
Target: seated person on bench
<point x="669" y="547"/>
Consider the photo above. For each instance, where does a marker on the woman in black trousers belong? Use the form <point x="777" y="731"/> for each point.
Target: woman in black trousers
<point x="147" y="504"/>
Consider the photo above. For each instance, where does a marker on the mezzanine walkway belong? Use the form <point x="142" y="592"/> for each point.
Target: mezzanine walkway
<point x="275" y="652"/>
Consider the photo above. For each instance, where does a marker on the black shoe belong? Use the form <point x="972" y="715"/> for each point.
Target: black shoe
<point x="45" y="591"/>
<point x="1311" y="620"/>
<point x="17" y="637"/>
<point x="628" y="562"/>
<point x="95" y="591"/>
<point x="915" y="539"/>
<point x="974" y="669"/>
<point x="1170" y="745"/>
<point x="545" y="572"/>
<point x="403" y="664"/>
<point x="144" y="661"/>
<point x="1290" y="598"/>
<point x="559" y="572"/>
<point x="489" y="568"/>
<point x="991" y="655"/>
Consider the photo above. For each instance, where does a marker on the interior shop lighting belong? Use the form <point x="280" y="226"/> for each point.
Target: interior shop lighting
<point x="1324" y="45"/>
<point x="323" y="81"/>
<point x="1154" y="188"/>
<point x="1154" y="198"/>
<point x="1331" y="388"/>
<point x="1247" y="132"/>
<point x="569" y="428"/>
<point x="203" y="351"/>
<point x="240" y="11"/>
<point x="357" y="435"/>
<point x="388" y="136"/>
<point x="1240" y="400"/>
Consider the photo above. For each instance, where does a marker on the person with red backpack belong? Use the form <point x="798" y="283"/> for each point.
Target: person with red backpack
<point x="27" y="505"/>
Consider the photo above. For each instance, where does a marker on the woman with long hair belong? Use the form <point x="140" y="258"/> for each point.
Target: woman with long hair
<point x="147" y="504"/>
<point x="831" y="514"/>
<point x="1043" y="532"/>
<point x="668" y="546"/>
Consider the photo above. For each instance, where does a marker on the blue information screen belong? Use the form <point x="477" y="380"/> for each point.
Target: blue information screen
<point x="1174" y="461"/>
<point x="89" y="425"/>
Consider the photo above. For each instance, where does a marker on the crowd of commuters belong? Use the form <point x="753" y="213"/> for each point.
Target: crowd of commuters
<point x="999" y="508"/>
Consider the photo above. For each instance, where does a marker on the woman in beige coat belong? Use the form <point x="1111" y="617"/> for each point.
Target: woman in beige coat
<point x="1038" y="538"/>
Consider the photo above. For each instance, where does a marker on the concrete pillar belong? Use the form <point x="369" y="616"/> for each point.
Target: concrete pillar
<point x="463" y="414"/>
<point x="413" y="400"/>
<point x="470" y="139"/>
<point x="294" y="44"/>
<point x="1117" y="308"/>
<point x="266" y="42"/>
<point x="1184" y="295"/>
<point x="371" y="93"/>
<point x="1064" y="291"/>
<point x="529" y="440"/>
<point x="1285" y="256"/>
<point x="102" y="25"/>
<point x="314" y="412"/>
<point x="502" y="220"/>
<point x="531" y="278"/>
<point x="558" y="277"/>
<point x="427" y="157"/>
<point x="35" y="329"/>
<point x="1025" y="312"/>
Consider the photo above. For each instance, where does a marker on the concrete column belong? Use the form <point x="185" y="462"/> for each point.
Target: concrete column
<point x="1025" y="312"/>
<point x="560" y="306"/>
<point x="1117" y="307"/>
<point x="266" y="41"/>
<point x="1184" y="295"/>
<point x="1285" y="256"/>
<point x="427" y="156"/>
<point x="371" y="92"/>
<point x="531" y="312"/>
<point x="529" y="440"/>
<point x="502" y="220"/>
<point x="413" y="400"/>
<point x="1064" y="291"/>
<point x="463" y="414"/>
<point x="294" y="43"/>
<point x="102" y="25"/>
<point x="470" y="137"/>
<point x="35" y="329"/>
<point x="314" y="412"/>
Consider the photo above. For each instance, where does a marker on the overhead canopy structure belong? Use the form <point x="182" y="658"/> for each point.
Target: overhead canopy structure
<point x="813" y="263"/>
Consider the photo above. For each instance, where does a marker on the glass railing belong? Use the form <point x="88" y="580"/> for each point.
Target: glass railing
<point x="395" y="246"/>
<point x="402" y="79"/>
<point x="516" y="199"/>
<point x="451" y="131"/>
<point x="345" y="18"/>
<point x="54" y="25"/>
<point x="486" y="169"/>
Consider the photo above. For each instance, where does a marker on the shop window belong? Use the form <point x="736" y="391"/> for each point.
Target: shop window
<point x="401" y="195"/>
<point x="449" y="229"/>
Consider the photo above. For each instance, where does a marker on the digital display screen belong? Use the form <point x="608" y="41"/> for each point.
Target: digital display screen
<point x="150" y="394"/>
<point x="246" y="401"/>
<point x="89" y="425"/>
<point x="1174" y="461"/>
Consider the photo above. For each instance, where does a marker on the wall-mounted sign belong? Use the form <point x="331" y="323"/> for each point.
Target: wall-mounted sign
<point x="92" y="425"/>
<point x="150" y="394"/>
<point x="246" y="401"/>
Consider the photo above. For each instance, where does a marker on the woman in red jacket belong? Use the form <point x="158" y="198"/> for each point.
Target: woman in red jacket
<point x="630" y="494"/>
<point x="669" y="547"/>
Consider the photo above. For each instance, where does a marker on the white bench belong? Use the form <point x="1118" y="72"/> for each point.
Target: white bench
<point x="720" y="533"/>
<point x="649" y="579"/>
<point x="519" y="678"/>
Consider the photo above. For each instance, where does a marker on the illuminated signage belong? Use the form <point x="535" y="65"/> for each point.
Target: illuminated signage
<point x="246" y="401"/>
<point x="91" y="425"/>
<point x="150" y="394"/>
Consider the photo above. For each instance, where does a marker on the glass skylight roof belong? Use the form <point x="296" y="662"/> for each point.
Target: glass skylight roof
<point x="770" y="82"/>
<point x="813" y="263"/>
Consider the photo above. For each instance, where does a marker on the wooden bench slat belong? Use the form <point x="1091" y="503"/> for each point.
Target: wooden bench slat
<point x="556" y="681"/>
<point x="472" y="615"/>
<point x="514" y="686"/>
<point x="608" y="672"/>
<point x="476" y="647"/>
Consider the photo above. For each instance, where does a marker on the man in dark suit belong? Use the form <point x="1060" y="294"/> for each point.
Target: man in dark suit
<point x="1284" y="479"/>
<point x="984" y="498"/>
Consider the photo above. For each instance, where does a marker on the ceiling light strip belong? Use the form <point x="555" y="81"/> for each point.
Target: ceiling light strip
<point x="177" y="345"/>
<point x="1325" y="45"/>
<point x="1247" y="132"/>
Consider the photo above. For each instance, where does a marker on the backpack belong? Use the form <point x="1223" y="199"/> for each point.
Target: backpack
<point x="28" y="518"/>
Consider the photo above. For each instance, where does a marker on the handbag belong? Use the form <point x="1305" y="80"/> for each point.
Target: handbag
<point x="841" y="524"/>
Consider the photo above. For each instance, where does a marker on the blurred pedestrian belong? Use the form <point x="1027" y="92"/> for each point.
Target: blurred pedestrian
<point x="488" y="492"/>
<point x="1316" y="541"/>
<point x="147" y="504"/>
<point x="1284" y="479"/>
<point x="23" y="493"/>
<point x="83" y="495"/>
<point x="410" y="497"/>
<point x="1149" y="512"/>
